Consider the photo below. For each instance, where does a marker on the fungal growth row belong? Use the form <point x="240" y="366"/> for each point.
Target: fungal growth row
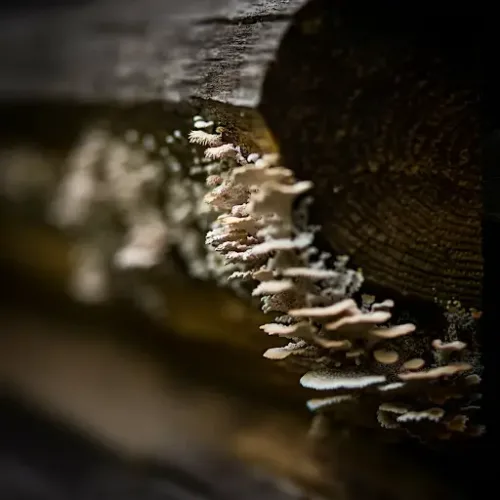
<point x="365" y="366"/>
<point x="241" y="220"/>
<point x="127" y="203"/>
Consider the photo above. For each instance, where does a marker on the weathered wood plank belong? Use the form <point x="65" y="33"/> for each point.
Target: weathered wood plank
<point x="136" y="51"/>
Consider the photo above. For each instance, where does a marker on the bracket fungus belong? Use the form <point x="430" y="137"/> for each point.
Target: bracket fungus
<point x="352" y="352"/>
<point x="241" y="219"/>
<point x="377" y="184"/>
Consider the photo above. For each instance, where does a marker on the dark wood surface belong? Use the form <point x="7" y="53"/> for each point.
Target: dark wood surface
<point x="135" y="51"/>
<point x="383" y="114"/>
<point x="380" y="113"/>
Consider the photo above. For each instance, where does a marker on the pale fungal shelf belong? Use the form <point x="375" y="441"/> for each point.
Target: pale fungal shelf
<point x="128" y="200"/>
<point x="359" y="360"/>
<point x="126" y="203"/>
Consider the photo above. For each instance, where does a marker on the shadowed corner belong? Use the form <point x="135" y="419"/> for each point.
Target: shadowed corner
<point x="491" y="248"/>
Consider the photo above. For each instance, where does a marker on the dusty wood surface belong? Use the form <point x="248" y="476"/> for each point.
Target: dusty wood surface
<point x="137" y="51"/>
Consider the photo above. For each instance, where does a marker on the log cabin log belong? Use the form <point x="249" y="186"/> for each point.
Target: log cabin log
<point x="108" y="50"/>
<point x="373" y="81"/>
<point x="124" y="81"/>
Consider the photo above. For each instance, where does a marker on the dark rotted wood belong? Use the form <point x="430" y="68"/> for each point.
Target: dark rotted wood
<point x="381" y="111"/>
<point x="140" y="51"/>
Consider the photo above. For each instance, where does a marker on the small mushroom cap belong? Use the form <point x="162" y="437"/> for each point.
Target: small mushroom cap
<point x="263" y="275"/>
<point x="355" y="353"/>
<point x="272" y="287"/>
<point x="204" y="138"/>
<point x="320" y="403"/>
<point x="385" y="357"/>
<point x="259" y="173"/>
<point x="435" y="373"/>
<point x="393" y="332"/>
<point x="347" y="306"/>
<point x="247" y="224"/>
<point x="432" y="414"/>
<point x="276" y="198"/>
<point x="309" y="272"/>
<point x="300" y="242"/>
<point x="333" y="344"/>
<point x="394" y="386"/>
<point x="439" y="345"/>
<point x="283" y="352"/>
<point x="358" y="322"/>
<point x="458" y="423"/>
<point x="326" y="379"/>
<point x="393" y="408"/>
<point x="222" y="151"/>
<point x="413" y="364"/>
<point x="302" y="330"/>
<point x="383" y="306"/>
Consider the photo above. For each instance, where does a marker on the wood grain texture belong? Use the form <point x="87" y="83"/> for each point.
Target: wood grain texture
<point x="382" y="115"/>
<point x="382" y="112"/>
<point x="167" y="50"/>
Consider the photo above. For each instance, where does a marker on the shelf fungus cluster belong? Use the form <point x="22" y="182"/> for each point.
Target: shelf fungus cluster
<point x="127" y="203"/>
<point x="365" y="365"/>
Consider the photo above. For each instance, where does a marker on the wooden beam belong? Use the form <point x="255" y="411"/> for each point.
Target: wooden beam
<point x="140" y="51"/>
